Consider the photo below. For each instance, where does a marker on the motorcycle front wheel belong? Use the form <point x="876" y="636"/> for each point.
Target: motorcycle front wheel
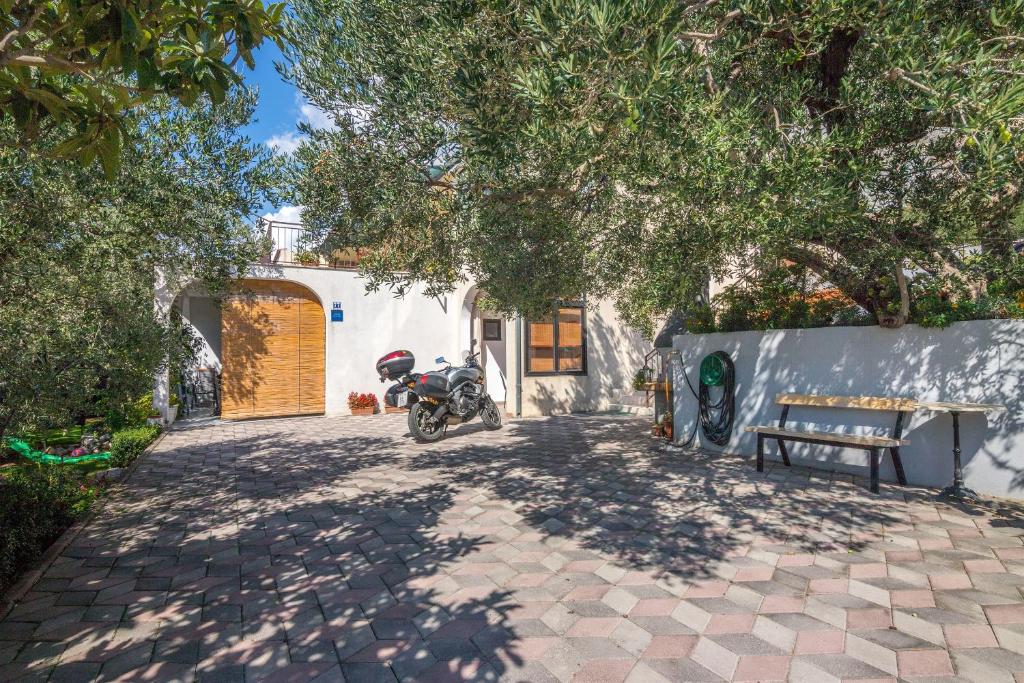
<point x="490" y="415"/>
<point x="422" y="426"/>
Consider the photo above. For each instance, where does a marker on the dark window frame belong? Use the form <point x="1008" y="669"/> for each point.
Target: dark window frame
<point x="495" y="321"/>
<point x="582" y="306"/>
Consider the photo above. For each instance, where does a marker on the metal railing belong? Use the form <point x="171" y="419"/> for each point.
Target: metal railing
<point x="290" y="244"/>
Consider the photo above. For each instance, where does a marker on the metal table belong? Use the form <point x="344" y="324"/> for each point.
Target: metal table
<point x="957" y="490"/>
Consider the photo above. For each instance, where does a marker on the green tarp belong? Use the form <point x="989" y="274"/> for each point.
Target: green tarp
<point x="23" y="449"/>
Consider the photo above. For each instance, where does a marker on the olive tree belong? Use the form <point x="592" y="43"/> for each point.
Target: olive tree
<point x="78" y="330"/>
<point x="78" y="66"/>
<point x="635" y="148"/>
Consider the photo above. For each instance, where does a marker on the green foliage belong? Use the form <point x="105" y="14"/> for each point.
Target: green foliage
<point x="636" y="148"/>
<point x="641" y="377"/>
<point x="83" y="256"/>
<point x="701" y="318"/>
<point x="55" y="437"/>
<point x="129" y="444"/>
<point x="782" y="298"/>
<point x="938" y="303"/>
<point x="37" y="504"/>
<point x="76" y="67"/>
<point x="132" y="413"/>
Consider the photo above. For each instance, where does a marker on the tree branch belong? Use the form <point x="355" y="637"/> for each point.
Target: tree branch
<point x="23" y="29"/>
<point x="897" y="73"/>
<point x="708" y="37"/>
<point x="822" y="262"/>
<point x="47" y="62"/>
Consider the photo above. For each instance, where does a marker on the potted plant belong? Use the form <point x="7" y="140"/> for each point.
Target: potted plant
<point x="307" y="258"/>
<point x="666" y="425"/>
<point x="362" y="404"/>
<point x="641" y="378"/>
<point x="172" y="408"/>
<point x="154" y="417"/>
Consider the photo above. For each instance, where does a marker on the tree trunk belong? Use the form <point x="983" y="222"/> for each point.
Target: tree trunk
<point x="883" y="306"/>
<point x="889" y="302"/>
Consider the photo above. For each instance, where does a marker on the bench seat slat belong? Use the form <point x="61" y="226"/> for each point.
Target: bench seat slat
<point x="864" y="440"/>
<point x="857" y="402"/>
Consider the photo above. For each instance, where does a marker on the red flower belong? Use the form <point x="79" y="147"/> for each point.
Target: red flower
<point x="356" y="400"/>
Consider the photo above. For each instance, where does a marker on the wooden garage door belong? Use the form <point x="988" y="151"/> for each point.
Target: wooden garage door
<point x="272" y="351"/>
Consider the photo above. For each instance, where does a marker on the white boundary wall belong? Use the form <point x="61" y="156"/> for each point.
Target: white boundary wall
<point x="979" y="361"/>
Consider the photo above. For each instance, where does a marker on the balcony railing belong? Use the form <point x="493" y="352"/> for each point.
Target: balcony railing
<point x="290" y="244"/>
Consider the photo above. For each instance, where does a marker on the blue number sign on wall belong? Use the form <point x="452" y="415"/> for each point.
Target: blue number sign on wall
<point x="337" y="315"/>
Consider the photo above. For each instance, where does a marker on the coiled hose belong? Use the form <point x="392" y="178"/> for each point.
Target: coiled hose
<point x="715" y="417"/>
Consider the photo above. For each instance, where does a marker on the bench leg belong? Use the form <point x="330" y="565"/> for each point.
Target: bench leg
<point x="875" y="457"/>
<point x="898" y="464"/>
<point x="784" y="451"/>
<point x="760" y="453"/>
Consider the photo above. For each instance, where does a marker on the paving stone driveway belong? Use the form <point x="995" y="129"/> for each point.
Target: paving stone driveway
<point x="556" y="549"/>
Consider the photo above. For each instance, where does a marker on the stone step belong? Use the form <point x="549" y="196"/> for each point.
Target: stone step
<point x="625" y="408"/>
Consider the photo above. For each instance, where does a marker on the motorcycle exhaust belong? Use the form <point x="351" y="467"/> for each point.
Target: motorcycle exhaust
<point x="440" y="412"/>
<point x="450" y="418"/>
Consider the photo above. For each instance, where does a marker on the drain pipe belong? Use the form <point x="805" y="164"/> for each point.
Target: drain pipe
<point x="671" y="360"/>
<point x="519" y="366"/>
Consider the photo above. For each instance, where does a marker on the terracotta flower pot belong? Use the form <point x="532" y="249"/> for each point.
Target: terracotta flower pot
<point x="364" y="411"/>
<point x="392" y="409"/>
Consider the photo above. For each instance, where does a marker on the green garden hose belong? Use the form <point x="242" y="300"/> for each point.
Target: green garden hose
<point x="714" y="417"/>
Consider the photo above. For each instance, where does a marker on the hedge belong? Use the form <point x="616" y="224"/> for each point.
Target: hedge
<point x="36" y="505"/>
<point x="128" y="444"/>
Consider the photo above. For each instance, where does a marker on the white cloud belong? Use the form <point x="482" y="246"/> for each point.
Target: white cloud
<point x="315" y="116"/>
<point x="285" y="143"/>
<point x="309" y="114"/>
<point x="286" y="214"/>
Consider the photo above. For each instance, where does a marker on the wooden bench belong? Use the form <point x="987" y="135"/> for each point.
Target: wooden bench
<point x="871" y="443"/>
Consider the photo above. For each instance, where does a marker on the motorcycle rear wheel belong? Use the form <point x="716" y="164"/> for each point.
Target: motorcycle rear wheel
<point x="490" y="415"/>
<point x="421" y="427"/>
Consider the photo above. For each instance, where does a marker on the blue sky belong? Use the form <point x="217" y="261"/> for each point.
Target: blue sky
<point x="279" y="111"/>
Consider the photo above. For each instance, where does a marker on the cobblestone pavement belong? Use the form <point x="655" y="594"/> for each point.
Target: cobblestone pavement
<point x="567" y="548"/>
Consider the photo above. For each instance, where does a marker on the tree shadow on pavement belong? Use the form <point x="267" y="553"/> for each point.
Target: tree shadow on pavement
<point x="604" y="484"/>
<point x="252" y="556"/>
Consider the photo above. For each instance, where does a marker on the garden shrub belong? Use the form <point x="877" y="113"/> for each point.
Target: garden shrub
<point x="941" y="302"/>
<point x="131" y="413"/>
<point x="787" y="297"/>
<point x="37" y="503"/>
<point x="128" y="444"/>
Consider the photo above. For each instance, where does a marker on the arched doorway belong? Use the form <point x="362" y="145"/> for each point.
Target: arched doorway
<point x="272" y="350"/>
<point x="485" y="331"/>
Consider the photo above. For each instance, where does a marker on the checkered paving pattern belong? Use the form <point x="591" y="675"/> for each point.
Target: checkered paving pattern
<point x="560" y="549"/>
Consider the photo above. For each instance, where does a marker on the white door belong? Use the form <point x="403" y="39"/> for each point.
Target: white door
<point x="493" y="340"/>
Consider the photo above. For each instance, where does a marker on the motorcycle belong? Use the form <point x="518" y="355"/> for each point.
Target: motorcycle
<point x="439" y="398"/>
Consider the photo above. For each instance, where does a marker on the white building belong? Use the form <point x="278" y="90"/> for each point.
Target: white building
<point x="297" y="339"/>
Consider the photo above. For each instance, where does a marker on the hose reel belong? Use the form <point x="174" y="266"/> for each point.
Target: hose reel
<point x="715" y="416"/>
